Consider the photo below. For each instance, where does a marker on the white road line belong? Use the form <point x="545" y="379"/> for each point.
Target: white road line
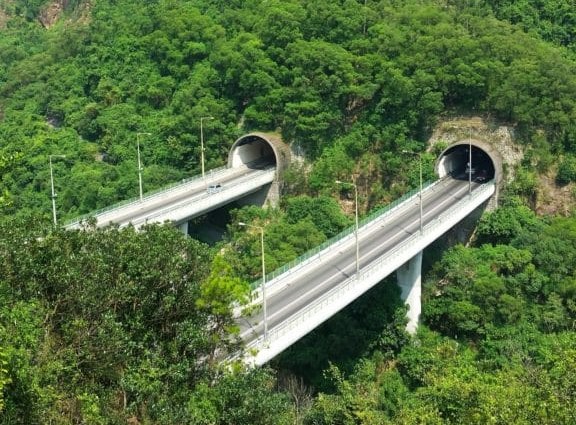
<point x="340" y="272"/>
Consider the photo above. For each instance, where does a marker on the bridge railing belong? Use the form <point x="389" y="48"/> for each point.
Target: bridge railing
<point x="207" y="201"/>
<point x="341" y="237"/>
<point x="339" y="292"/>
<point x="136" y="200"/>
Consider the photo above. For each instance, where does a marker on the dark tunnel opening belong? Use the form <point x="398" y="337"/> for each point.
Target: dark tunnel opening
<point x="464" y="164"/>
<point x="254" y="152"/>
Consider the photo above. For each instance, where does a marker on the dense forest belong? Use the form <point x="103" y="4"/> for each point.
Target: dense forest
<point x="115" y="326"/>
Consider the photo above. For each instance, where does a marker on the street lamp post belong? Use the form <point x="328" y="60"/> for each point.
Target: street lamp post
<point x="421" y="190"/>
<point x="356" y="225"/>
<point x="202" y="141"/>
<point x="52" y="186"/>
<point x="140" y="162"/>
<point x="264" y="301"/>
<point x="470" y="165"/>
<point x="140" y="168"/>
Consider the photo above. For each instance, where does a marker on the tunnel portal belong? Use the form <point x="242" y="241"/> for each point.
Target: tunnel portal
<point x="466" y="158"/>
<point x="259" y="150"/>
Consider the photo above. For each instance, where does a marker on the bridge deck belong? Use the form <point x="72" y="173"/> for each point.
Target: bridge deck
<point x="299" y="301"/>
<point x="188" y="199"/>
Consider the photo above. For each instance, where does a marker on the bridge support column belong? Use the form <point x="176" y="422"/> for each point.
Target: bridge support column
<point x="184" y="227"/>
<point x="267" y="195"/>
<point x="410" y="282"/>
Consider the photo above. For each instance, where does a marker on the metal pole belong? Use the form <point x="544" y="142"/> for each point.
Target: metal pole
<point x="264" y="300"/>
<point x="202" y="141"/>
<point x="53" y="192"/>
<point x="421" y="190"/>
<point x="421" y="199"/>
<point x="470" y="164"/>
<point x="357" y="242"/>
<point x="140" y="169"/>
<point x="356" y="224"/>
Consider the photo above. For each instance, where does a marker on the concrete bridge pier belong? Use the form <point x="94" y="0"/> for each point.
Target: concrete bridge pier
<point x="409" y="277"/>
<point x="184" y="227"/>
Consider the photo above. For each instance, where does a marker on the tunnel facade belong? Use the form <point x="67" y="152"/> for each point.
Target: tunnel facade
<point x="472" y="159"/>
<point x="496" y="150"/>
<point x="470" y="156"/>
<point x="261" y="150"/>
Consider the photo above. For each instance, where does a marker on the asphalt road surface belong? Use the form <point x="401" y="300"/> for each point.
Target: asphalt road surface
<point x="139" y="212"/>
<point x="319" y="277"/>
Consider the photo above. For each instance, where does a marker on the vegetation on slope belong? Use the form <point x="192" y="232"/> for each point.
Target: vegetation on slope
<point x="110" y="326"/>
<point x="107" y="325"/>
<point x="498" y="345"/>
<point x="352" y="84"/>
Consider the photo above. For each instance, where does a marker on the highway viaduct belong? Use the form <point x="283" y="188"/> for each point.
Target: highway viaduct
<point x="253" y="175"/>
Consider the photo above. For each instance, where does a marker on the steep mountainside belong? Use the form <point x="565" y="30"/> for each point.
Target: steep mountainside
<point x="114" y="326"/>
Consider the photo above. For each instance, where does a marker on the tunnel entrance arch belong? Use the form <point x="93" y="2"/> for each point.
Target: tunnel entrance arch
<point x="470" y="156"/>
<point x="479" y="158"/>
<point x="259" y="150"/>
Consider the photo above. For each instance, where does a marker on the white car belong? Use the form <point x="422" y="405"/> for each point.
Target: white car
<point x="214" y="188"/>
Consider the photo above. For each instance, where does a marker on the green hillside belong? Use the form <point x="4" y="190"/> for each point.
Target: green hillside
<point x="350" y="82"/>
<point x="116" y="326"/>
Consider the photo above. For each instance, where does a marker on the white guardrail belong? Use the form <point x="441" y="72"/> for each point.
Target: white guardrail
<point x="177" y="212"/>
<point x="311" y="315"/>
<point x="208" y="201"/>
<point x="160" y="193"/>
<point x="337" y="242"/>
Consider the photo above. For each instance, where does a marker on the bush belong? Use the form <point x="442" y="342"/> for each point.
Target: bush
<point x="567" y="170"/>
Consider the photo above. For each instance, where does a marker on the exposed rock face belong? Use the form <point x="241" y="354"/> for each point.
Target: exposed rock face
<point x="552" y="199"/>
<point x="47" y="16"/>
<point x="548" y="199"/>
<point x="50" y="14"/>
<point x="3" y="19"/>
<point x="500" y="137"/>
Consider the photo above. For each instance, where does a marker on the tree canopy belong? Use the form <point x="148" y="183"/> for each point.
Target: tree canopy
<point x="346" y="81"/>
<point x="107" y="326"/>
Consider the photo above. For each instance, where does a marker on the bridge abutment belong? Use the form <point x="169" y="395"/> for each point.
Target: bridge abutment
<point x="409" y="277"/>
<point x="184" y="227"/>
<point x="268" y="195"/>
